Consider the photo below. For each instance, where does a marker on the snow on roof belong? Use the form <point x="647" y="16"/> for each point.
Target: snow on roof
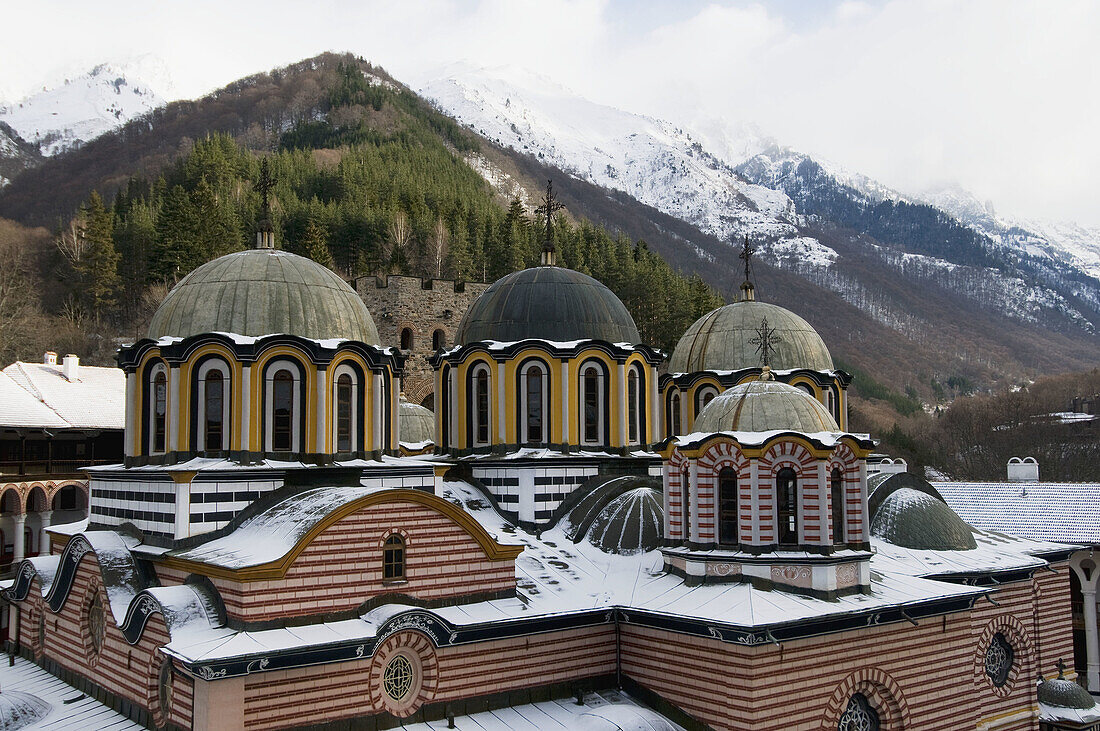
<point x="69" y="708"/>
<point x="995" y="553"/>
<point x="223" y="464"/>
<point x="605" y="709"/>
<point x="18" y="408"/>
<point x="547" y="452"/>
<point x="828" y="438"/>
<point x="1047" y="511"/>
<point x="95" y="400"/>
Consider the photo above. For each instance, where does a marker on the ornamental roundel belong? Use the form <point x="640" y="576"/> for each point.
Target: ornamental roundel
<point x="998" y="660"/>
<point x="403" y="673"/>
<point x="858" y="716"/>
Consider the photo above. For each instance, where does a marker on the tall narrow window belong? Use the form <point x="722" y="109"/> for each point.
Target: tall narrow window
<point x="160" y="410"/>
<point x="393" y="558"/>
<point x="727" y="506"/>
<point x="786" y="488"/>
<point x="439" y="340"/>
<point x="632" y="406"/>
<point x="685" y="494"/>
<point x="703" y="397"/>
<point x="836" y="487"/>
<point x="406" y="339"/>
<point x="674" y="414"/>
<point x="343" y="413"/>
<point x="481" y="410"/>
<point x="592" y="405"/>
<point x="533" y="403"/>
<point x="282" y="421"/>
<point x="214" y="391"/>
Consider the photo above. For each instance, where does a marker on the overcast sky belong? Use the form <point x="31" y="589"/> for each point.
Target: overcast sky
<point x="1001" y="97"/>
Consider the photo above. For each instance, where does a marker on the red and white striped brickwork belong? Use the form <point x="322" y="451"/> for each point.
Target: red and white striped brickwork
<point x="756" y="493"/>
<point x="128" y="671"/>
<point x="342" y="567"/>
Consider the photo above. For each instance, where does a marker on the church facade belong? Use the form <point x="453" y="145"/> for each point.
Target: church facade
<point x="266" y="558"/>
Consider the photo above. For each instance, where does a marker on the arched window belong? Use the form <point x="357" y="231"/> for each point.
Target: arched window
<point x="727" y="506"/>
<point x="704" y="396"/>
<point x="593" y="418"/>
<point x="158" y="411"/>
<point x="836" y="487"/>
<point x="481" y="405"/>
<point x="685" y="494"/>
<point x="533" y="397"/>
<point x="345" y="413"/>
<point x="393" y="558"/>
<point x="807" y="388"/>
<point x="213" y="387"/>
<point x="673" y="420"/>
<point x="633" y="406"/>
<point x="283" y="407"/>
<point x="406" y="338"/>
<point x="439" y="340"/>
<point x="858" y="716"/>
<point x="786" y="492"/>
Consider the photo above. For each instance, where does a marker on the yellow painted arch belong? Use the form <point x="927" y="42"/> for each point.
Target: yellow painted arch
<point x="277" y="569"/>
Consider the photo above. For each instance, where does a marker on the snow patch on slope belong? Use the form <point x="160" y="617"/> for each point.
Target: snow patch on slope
<point x="66" y="116"/>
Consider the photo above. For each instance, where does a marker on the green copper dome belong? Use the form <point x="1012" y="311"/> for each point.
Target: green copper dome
<point x="417" y="423"/>
<point x="759" y="406"/>
<point x="548" y="303"/>
<point x="911" y="518"/>
<point x="722" y="340"/>
<point x="263" y="292"/>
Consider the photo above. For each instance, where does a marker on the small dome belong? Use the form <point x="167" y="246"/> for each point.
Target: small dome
<point x="548" y="303"/>
<point x="1065" y="694"/>
<point x="622" y="514"/>
<point x="911" y="518"/>
<point x="417" y="424"/>
<point x="19" y="710"/>
<point x="264" y="292"/>
<point x="721" y="340"/>
<point x="765" y="406"/>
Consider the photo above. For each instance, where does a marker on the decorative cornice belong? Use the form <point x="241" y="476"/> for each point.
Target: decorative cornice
<point x="553" y="349"/>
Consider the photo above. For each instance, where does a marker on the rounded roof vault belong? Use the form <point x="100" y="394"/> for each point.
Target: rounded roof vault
<point x="760" y="405"/>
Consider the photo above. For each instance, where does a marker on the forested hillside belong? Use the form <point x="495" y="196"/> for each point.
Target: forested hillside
<point x="376" y="186"/>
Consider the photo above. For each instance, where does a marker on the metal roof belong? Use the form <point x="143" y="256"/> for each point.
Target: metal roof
<point x="1053" y="511"/>
<point x="548" y="303"/>
<point x="263" y="292"/>
<point x="723" y="339"/>
<point x="38" y="395"/>
<point x="759" y="406"/>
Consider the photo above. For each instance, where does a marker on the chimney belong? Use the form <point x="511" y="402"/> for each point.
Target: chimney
<point x="70" y="367"/>
<point x="50" y="358"/>
<point x="1023" y="470"/>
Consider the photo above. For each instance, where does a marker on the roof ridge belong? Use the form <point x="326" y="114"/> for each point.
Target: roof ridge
<point x="34" y="391"/>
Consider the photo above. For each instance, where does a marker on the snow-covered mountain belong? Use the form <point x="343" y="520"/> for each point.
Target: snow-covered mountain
<point x="732" y="181"/>
<point x="1068" y="242"/>
<point x="80" y="109"/>
<point x="654" y="161"/>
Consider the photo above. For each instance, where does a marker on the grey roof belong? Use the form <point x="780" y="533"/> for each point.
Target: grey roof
<point x="759" y="406"/>
<point x="39" y="395"/>
<point x="1053" y="511"/>
<point x="548" y="303"/>
<point x="622" y="514"/>
<point x="914" y="519"/>
<point x="722" y="340"/>
<point x="263" y="292"/>
<point x="1064" y="694"/>
<point x="417" y="424"/>
<point x="19" y="709"/>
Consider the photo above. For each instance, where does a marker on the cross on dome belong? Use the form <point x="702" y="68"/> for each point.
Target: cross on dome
<point x="549" y="205"/>
<point x="747" y="251"/>
<point x="765" y="341"/>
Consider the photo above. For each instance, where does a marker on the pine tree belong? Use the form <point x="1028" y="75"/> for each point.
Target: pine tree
<point x="99" y="264"/>
<point x="314" y="244"/>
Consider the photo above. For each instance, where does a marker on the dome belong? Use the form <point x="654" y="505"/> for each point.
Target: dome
<point x="765" y="406"/>
<point x="622" y="514"/>
<point x="548" y="303"/>
<point x="912" y="518"/>
<point x="263" y="292"/>
<point x="19" y="710"/>
<point x="417" y="424"/>
<point x="721" y="340"/>
<point x="1065" y="694"/>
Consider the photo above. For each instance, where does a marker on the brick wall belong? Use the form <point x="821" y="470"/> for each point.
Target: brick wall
<point x="342" y="567"/>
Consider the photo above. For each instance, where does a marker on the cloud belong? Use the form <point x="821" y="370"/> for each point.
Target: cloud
<point x="997" y="95"/>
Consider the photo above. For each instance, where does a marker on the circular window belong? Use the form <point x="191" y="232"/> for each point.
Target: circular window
<point x="998" y="660"/>
<point x="858" y="716"/>
<point x="96" y="626"/>
<point x="397" y="678"/>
